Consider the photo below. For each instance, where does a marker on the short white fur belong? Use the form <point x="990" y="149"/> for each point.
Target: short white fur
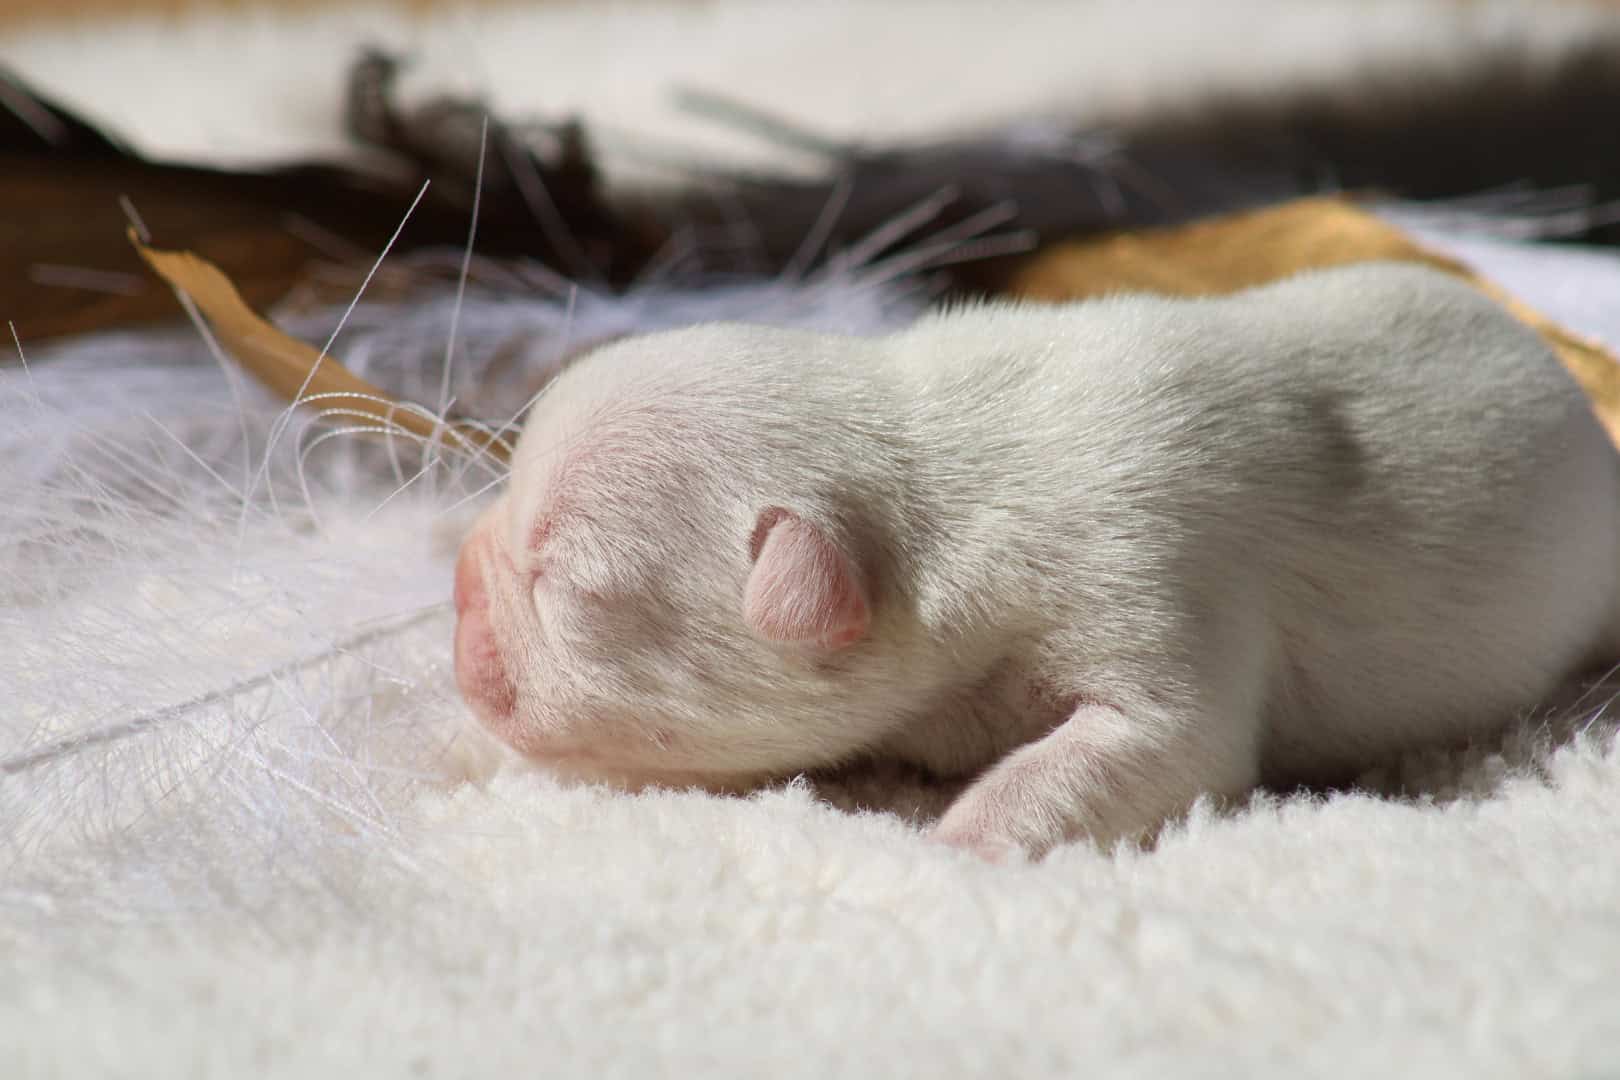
<point x="1119" y="554"/>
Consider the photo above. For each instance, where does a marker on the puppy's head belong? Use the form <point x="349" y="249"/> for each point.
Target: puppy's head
<point x="686" y="580"/>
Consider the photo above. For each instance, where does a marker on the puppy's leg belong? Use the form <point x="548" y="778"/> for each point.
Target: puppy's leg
<point x="1102" y="773"/>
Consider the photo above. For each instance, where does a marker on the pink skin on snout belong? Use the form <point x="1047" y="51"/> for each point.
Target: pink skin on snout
<point x="481" y="673"/>
<point x="803" y="591"/>
<point x="484" y="578"/>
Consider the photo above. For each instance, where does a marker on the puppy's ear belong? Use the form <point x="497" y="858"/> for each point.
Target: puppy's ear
<point x="803" y="589"/>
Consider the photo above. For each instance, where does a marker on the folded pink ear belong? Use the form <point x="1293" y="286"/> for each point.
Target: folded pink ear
<point x="803" y="589"/>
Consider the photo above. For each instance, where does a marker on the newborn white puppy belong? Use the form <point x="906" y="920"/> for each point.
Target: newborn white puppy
<point x="1103" y="558"/>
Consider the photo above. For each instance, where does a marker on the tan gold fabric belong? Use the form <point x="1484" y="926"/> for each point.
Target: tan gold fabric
<point x="1230" y="253"/>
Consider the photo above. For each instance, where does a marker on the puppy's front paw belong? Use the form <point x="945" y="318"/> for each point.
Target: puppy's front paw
<point x="966" y="828"/>
<point x="988" y="845"/>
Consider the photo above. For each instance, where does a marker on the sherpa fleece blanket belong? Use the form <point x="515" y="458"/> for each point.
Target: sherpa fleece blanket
<point x="246" y="829"/>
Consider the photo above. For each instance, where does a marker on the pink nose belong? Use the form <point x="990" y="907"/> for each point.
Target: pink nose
<point x="481" y="673"/>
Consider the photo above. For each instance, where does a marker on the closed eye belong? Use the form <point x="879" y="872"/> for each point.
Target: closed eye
<point x="541" y="602"/>
<point x="533" y="560"/>
<point x="540" y="535"/>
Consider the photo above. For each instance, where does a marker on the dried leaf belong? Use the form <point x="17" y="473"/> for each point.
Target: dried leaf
<point x="297" y="370"/>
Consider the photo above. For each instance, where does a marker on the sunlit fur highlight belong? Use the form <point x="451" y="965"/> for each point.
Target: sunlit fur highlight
<point x="1119" y="554"/>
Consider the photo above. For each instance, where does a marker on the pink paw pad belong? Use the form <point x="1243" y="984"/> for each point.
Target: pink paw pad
<point x="990" y="847"/>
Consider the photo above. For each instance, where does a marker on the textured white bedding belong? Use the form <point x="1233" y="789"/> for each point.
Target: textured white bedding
<point x="237" y="835"/>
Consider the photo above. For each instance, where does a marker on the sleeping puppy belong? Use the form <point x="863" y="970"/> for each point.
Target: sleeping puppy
<point x="1103" y="558"/>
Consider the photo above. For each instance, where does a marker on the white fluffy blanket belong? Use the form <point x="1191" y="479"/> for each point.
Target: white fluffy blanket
<point x="244" y="830"/>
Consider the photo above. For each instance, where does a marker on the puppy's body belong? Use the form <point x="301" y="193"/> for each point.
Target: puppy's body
<point x="1104" y="557"/>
